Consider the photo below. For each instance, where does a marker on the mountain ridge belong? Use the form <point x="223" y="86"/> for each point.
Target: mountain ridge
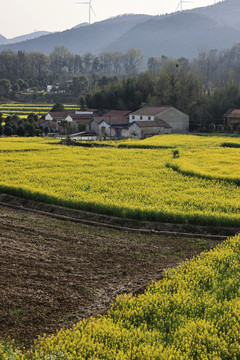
<point x="177" y="34"/>
<point x="33" y="35"/>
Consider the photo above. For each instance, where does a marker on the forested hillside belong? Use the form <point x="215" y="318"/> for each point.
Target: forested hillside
<point x="173" y="35"/>
<point x="93" y="38"/>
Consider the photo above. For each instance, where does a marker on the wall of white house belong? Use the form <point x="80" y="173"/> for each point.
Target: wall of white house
<point x="48" y="117"/>
<point x="149" y="131"/>
<point x="177" y="120"/>
<point x="94" y="127"/>
<point x="125" y="133"/>
<point x="135" y="131"/>
<point x="140" y="118"/>
<point x="69" y="118"/>
<point x="104" y="128"/>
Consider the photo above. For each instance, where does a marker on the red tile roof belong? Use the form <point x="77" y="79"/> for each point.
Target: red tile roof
<point x="60" y="115"/>
<point x="153" y="123"/>
<point x="113" y="120"/>
<point x="118" y="113"/>
<point x="81" y="116"/>
<point x="232" y="113"/>
<point x="150" y="110"/>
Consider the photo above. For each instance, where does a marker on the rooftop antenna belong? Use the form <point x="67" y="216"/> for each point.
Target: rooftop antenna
<point x="180" y="5"/>
<point x="89" y="3"/>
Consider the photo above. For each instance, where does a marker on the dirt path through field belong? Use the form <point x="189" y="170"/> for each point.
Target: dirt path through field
<point x="53" y="273"/>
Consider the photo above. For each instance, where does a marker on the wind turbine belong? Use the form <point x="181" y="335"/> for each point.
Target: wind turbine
<point x="180" y="5"/>
<point x="89" y="3"/>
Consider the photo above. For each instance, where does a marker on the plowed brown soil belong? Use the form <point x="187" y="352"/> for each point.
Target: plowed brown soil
<point x="53" y="273"/>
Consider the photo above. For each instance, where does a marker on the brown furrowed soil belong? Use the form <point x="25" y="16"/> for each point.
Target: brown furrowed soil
<point x="53" y="272"/>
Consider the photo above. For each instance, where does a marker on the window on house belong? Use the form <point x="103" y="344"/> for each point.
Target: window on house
<point x="133" y="117"/>
<point x="149" y="118"/>
<point x="141" y="117"/>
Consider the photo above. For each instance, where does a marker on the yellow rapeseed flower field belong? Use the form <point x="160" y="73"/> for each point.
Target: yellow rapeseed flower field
<point x="194" y="312"/>
<point x="23" y="110"/>
<point x="136" y="183"/>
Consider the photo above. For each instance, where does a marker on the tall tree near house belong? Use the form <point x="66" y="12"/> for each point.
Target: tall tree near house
<point x="156" y="63"/>
<point x="96" y="65"/>
<point x="8" y="65"/>
<point x="200" y="120"/>
<point x="77" y="65"/>
<point x="106" y="60"/>
<point x="87" y="63"/>
<point x="59" y="59"/>
<point x="117" y="62"/>
<point x="5" y="87"/>
<point x="39" y="67"/>
<point x="80" y="85"/>
<point x="21" y="64"/>
<point x="133" y="61"/>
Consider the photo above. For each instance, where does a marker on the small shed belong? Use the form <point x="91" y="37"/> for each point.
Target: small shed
<point x="143" y="129"/>
<point x="232" y="118"/>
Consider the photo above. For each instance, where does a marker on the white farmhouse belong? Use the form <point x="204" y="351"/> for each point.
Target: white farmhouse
<point x="160" y="119"/>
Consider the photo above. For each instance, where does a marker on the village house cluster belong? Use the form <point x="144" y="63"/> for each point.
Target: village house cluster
<point x="145" y="122"/>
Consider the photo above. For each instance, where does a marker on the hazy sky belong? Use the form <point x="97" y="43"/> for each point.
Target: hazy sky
<point x="20" y="17"/>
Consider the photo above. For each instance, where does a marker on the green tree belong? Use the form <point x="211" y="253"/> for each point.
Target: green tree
<point x="80" y="85"/>
<point x="20" y="131"/>
<point x="22" y="84"/>
<point x="133" y="61"/>
<point x="8" y="131"/>
<point x="59" y="60"/>
<point x="81" y="127"/>
<point x="58" y="107"/>
<point x="5" y="87"/>
<point x="82" y="102"/>
<point x="30" y="129"/>
<point x="46" y="130"/>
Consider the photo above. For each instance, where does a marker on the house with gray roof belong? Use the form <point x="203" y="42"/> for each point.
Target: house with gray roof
<point x="143" y="129"/>
<point x="113" y="123"/>
<point x="160" y="118"/>
<point x="145" y="122"/>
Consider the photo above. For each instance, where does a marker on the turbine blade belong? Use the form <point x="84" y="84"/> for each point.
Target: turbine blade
<point x="93" y="10"/>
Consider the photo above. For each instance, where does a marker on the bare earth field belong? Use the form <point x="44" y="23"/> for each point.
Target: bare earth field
<point x="53" y="273"/>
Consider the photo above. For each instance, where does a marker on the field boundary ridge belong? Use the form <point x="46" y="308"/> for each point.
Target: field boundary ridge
<point x="124" y="224"/>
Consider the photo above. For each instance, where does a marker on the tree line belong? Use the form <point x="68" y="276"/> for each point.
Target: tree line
<point x="176" y="83"/>
<point x="38" y="69"/>
<point x="204" y="87"/>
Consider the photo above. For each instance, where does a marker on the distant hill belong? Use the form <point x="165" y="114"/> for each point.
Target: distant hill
<point x="80" y="25"/>
<point x="3" y="40"/>
<point x="21" y="38"/>
<point x="178" y="34"/>
<point x="93" y="38"/>
<point x="228" y="12"/>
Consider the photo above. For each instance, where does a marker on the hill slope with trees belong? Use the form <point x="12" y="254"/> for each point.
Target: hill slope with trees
<point x="177" y="34"/>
